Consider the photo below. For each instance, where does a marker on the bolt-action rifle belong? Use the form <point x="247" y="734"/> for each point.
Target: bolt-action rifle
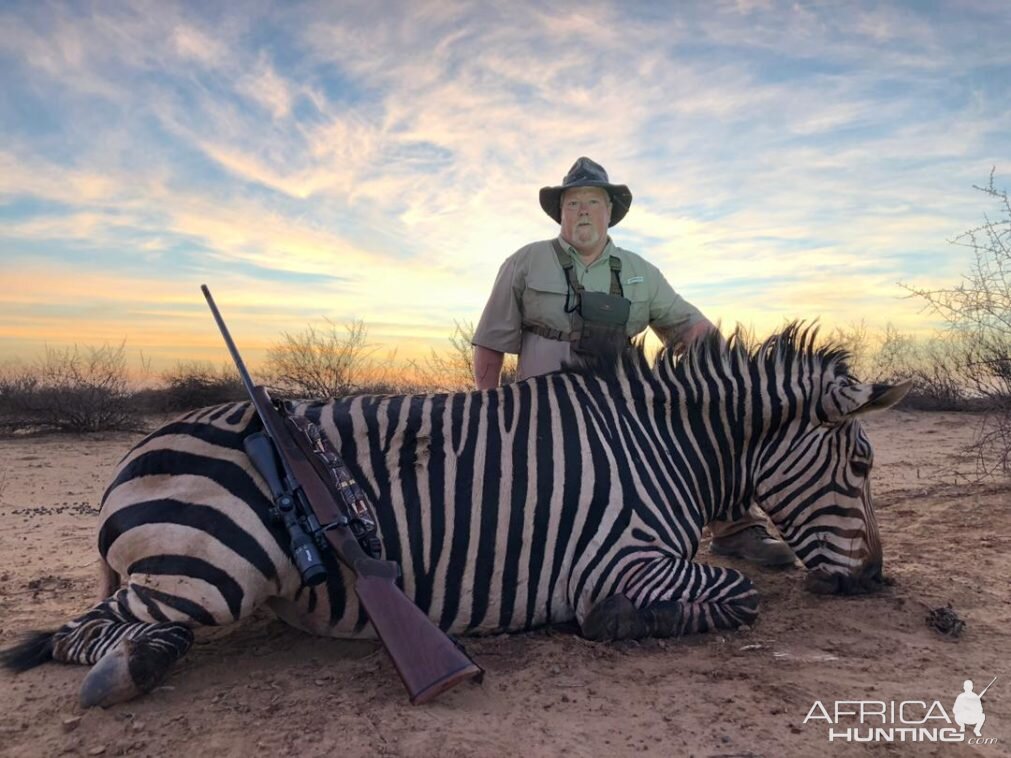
<point x="987" y="687"/>
<point x="426" y="659"/>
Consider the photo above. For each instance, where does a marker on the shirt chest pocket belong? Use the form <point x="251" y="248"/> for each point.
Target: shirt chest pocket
<point x="544" y="302"/>
<point x="638" y="315"/>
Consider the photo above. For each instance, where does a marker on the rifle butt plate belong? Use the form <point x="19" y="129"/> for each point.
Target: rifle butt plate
<point x="470" y="671"/>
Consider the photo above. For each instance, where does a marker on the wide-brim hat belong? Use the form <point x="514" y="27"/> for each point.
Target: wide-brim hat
<point x="587" y="173"/>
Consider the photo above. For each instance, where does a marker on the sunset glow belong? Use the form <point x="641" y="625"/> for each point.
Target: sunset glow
<point x="378" y="161"/>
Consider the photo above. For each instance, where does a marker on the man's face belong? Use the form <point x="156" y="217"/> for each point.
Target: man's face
<point x="585" y="213"/>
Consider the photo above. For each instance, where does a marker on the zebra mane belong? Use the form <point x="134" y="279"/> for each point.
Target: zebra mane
<point x="795" y="345"/>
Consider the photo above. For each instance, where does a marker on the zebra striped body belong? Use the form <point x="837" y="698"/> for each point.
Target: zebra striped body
<point x="577" y="495"/>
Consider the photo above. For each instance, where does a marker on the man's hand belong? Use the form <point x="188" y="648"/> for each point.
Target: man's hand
<point x="696" y="331"/>
<point x="487" y="367"/>
<point x="678" y="340"/>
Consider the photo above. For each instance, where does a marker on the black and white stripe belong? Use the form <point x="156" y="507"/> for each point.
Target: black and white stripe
<point x="577" y="495"/>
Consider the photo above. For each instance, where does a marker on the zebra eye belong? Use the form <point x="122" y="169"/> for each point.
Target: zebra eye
<point x="860" y="468"/>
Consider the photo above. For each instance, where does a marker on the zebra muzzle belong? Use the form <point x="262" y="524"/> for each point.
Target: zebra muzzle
<point x="868" y="580"/>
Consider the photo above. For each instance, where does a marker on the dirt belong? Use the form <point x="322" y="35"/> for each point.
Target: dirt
<point x="265" y="689"/>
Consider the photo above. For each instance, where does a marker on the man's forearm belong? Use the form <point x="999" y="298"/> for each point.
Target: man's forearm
<point x="487" y="367"/>
<point x="696" y="330"/>
<point x="678" y="340"/>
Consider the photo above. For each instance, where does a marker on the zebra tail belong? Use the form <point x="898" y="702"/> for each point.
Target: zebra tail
<point x="32" y="651"/>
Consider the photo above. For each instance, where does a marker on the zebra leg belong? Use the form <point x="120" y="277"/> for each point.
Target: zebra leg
<point x="131" y="656"/>
<point x="671" y="597"/>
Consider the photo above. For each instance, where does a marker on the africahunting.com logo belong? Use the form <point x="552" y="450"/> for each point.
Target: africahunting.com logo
<point x="905" y="720"/>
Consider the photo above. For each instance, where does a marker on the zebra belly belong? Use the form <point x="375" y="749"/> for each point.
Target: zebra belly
<point x="333" y="610"/>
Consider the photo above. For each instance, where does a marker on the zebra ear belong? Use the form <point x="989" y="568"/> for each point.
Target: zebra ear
<point x="857" y="399"/>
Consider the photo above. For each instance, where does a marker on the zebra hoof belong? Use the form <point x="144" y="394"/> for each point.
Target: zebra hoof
<point x="131" y="669"/>
<point x="109" y="680"/>
<point x="614" y="618"/>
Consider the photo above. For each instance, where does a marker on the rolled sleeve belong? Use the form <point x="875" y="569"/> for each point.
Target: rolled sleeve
<point x="501" y="324"/>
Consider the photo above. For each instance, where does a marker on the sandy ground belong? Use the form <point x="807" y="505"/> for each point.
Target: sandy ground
<point x="266" y="689"/>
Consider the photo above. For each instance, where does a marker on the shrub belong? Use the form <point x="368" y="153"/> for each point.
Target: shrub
<point x="195" y="384"/>
<point x="855" y="341"/>
<point x="453" y="370"/>
<point x="73" y="390"/>
<point x="978" y="313"/>
<point x="319" y="363"/>
<point x="332" y="362"/>
<point x="935" y="375"/>
<point x="17" y="397"/>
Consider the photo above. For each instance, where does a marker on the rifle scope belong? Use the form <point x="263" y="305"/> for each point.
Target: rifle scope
<point x="304" y="553"/>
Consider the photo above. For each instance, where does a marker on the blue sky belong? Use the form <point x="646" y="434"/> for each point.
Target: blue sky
<point x="379" y="160"/>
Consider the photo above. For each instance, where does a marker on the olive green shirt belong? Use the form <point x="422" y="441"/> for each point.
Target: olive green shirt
<point x="531" y="289"/>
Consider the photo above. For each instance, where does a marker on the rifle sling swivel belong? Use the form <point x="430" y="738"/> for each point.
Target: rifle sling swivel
<point x="356" y="511"/>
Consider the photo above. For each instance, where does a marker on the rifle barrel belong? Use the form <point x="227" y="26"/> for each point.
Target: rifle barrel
<point x="987" y="687"/>
<point x="427" y="661"/>
<point x="239" y="364"/>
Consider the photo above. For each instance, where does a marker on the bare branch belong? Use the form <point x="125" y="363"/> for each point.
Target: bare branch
<point x="978" y="311"/>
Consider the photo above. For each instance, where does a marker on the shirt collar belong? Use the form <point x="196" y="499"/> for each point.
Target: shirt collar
<point x="604" y="255"/>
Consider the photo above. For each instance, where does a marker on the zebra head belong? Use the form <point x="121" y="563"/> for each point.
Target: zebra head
<point x="814" y="482"/>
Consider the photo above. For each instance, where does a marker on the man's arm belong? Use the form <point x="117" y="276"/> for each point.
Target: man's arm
<point x="487" y="367"/>
<point x="675" y="321"/>
<point x="501" y="325"/>
<point x="679" y="339"/>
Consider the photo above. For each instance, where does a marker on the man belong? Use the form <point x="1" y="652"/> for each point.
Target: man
<point x="540" y="309"/>
<point x="968" y="708"/>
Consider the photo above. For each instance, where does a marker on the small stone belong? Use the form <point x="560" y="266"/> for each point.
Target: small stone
<point x="137" y="726"/>
<point x="97" y="750"/>
<point x="556" y="670"/>
<point x="71" y="723"/>
<point x="794" y="728"/>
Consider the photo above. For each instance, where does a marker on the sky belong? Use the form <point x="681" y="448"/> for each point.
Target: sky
<point x="379" y="160"/>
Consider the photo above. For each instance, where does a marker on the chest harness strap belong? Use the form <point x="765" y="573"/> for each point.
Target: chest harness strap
<point x="565" y="261"/>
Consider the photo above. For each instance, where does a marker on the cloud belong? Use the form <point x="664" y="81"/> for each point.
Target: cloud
<point x="192" y="43"/>
<point x="356" y="160"/>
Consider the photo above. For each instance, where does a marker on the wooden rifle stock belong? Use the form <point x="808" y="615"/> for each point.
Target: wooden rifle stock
<point x="427" y="660"/>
